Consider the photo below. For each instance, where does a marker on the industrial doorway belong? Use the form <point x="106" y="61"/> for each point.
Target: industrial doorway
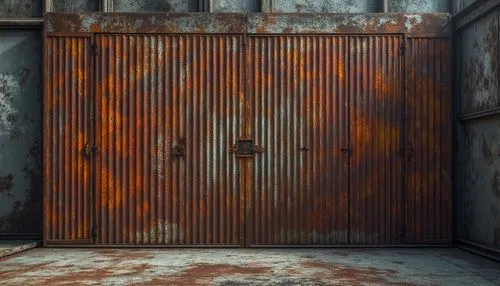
<point x="188" y="157"/>
<point x="244" y="131"/>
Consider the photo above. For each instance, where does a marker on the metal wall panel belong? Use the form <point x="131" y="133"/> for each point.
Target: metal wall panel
<point x="157" y="92"/>
<point x="428" y="127"/>
<point x="67" y="129"/>
<point x="298" y="86"/>
<point x="479" y="71"/>
<point x="375" y="114"/>
<point x="478" y="182"/>
<point x="20" y="132"/>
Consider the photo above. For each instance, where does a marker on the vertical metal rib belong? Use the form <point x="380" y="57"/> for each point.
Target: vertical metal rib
<point x="66" y="122"/>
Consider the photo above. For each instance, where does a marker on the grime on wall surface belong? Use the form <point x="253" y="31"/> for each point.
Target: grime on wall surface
<point x="20" y="132"/>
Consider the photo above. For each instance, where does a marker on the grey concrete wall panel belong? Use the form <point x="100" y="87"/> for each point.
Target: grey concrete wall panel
<point x="478" y="182"/>
<point x="155" y="5"/>
<point x="419" y="6"/>
<point x="326" y="6"/>
<point x="75" y="5"/>
<point x="479" y="64"/>
<point x="20" y="132"/>
<point x="20" y="8"/>
<point x="236" y="5"/>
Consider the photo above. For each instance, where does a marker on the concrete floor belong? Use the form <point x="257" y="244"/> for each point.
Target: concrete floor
<point x="248" y="267"/>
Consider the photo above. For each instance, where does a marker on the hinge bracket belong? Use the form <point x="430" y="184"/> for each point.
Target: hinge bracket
<point x="402" y="48"/>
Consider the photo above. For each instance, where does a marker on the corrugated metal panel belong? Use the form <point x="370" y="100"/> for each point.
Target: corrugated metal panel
<point x="428" y="125"/>
<point x="298" y="87"/>
<point x="66" y="131"/>
<point x="156" y="92"/>
<point x="375" y="104"/>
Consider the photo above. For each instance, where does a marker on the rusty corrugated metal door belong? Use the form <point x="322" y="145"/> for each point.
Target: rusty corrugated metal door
<point x="169" y="106"/>
<point x="303" y="87"/>
<point x="67" y="130"/>
<point x="298" y="86"/>
<point x="428" y="103"/>
<point x="375" y="124"/>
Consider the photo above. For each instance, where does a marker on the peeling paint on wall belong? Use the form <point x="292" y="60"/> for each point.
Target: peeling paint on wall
<point x="20" y="8"/>
<point x="20" y="132"/>
<point x="419" y="6"/>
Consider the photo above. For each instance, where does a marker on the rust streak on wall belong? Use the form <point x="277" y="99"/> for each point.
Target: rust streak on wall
<point x="375" y="120"/>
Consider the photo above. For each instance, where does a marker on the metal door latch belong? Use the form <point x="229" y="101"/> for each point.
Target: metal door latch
<point x="89" y="151"/>
<point x="245" y="148"/>
<point x="178" y="149"/>
<point x="348" y="150"/>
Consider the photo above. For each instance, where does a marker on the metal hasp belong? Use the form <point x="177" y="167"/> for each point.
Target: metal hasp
<point x="353" y="110"/>
<point x="245" y="148"/>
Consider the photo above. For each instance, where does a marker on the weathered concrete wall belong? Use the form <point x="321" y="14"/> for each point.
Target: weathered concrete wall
<point x="477" y="152"/>
<point x="326" y="6"/>
<point x="76" y="5"/>
<point x="419" y="6"/>
<point x="20" y="132"/>
<point x="20" y="8"/>
<point x="155" y="5"/>
<point x="237" y="6"/>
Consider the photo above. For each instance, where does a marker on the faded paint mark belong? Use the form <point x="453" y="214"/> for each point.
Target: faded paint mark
<point x="412" y="20"/>
<point x="11" y="85"/>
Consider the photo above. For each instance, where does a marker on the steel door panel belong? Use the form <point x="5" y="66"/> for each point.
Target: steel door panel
<point x="428" y="125"/>
<point x="67" y="130"/>
<point x="375" y="118"/>
<point x="169" y="106"/>
<point x="298" y="91"/>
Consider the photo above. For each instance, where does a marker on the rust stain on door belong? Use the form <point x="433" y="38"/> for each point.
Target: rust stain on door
<point x="168" y="109"/>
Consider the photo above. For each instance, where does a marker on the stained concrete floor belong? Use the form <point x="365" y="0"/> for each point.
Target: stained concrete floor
<point x="248" y="267"/>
